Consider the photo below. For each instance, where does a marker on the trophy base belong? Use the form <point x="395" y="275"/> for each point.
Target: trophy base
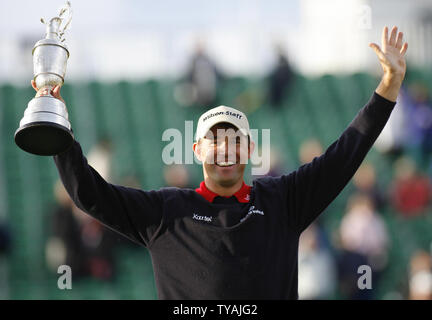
<point x="44" y="138"/>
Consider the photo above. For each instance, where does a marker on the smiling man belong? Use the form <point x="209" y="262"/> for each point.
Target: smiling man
<point x="224" y="146"/>
<point x="225" y="239"/>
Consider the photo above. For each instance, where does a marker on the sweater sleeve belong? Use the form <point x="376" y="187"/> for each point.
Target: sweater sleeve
<point x="313" y="186"/>
<point x="133" y="213"/>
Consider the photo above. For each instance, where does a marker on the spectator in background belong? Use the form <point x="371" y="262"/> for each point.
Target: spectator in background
<point x="364" y="238"/>
<point x="79" y="241"/>
<point x="177" y="175"/>
<point x="279" y="79"/>
<point x="131" y="180"/>
<point x="315" y="258"/>
<point x="395" y="136"/>
<point x="317" y="269"/>
<point x="420" y="276"/>
<point x="364" y="181"/>
<point x="5" y="238"/>
<point x="309" y="149"/>
<point x="419" y="111"/>
<point x="5" y="246"/>
<point x="347" y="266"/>
<point x="277" y="165"/>
<point x="410" y="190"/>
<point x="100" y="157"/>
<point x="201" y="82"/>
<point x="409" y="128"/>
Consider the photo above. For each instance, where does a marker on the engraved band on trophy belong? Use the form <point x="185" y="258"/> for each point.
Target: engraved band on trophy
<point x="45" y="128"/>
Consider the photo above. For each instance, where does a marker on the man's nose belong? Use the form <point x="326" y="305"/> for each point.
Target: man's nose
<point x="223" y="146"/>
<point x="226" y="151"/>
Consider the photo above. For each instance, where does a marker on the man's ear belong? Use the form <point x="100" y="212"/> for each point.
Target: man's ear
<point x="251" y="148"/>
<point x="197" y="150"/>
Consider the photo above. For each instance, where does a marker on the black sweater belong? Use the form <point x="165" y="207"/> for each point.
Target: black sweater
<point x="255" y="257"/>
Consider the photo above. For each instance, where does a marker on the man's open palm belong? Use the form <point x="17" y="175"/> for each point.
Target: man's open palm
<point x="391" y="54"/>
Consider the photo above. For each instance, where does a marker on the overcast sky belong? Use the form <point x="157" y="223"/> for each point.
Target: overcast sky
<point x="21" y="17"/>
<point x="134" y="38"/>
<point x="113" y="39"/>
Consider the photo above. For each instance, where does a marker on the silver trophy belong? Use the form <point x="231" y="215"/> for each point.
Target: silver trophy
<point x="45" y="128"/>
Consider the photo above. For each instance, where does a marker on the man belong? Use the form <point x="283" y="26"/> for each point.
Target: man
<point x="228" y="240"/>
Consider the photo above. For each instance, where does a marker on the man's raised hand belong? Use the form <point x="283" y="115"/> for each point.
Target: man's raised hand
<point x="391" y="55"/>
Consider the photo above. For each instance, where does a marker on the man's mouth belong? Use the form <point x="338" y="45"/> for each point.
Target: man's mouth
<point x="225" y="164"/>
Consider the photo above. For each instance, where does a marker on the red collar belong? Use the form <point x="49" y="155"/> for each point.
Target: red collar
<point x="242" y="195"/>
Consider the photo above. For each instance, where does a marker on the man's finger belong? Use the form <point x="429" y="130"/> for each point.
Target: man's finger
<point x="384" y="37"/>
<point x="392" y="40"/>
<point x="56" y="91"/>
<point x="404" y="48"/>
<point x="399" y="40"/>
<point x="33" y="84"/>
<point x="377" y="50"/>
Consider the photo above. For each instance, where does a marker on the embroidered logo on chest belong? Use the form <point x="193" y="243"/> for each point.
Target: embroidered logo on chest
<point x="202" y="218"/>
<point x="252" y="210"/>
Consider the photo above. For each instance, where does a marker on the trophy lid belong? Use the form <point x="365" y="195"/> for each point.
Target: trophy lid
<point x="57" y="26"/>
<point x="53" y="29"/>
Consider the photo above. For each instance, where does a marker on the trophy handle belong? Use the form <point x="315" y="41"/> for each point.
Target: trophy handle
<point x="66" y="11"/>
<point x="65" y="14"/>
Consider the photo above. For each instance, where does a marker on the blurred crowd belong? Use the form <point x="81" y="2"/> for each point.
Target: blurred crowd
<point x="329" y="259"/>
<point x="202" y="82"/>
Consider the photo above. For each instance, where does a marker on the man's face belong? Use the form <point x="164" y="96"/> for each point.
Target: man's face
<point x="224" y="152"/>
